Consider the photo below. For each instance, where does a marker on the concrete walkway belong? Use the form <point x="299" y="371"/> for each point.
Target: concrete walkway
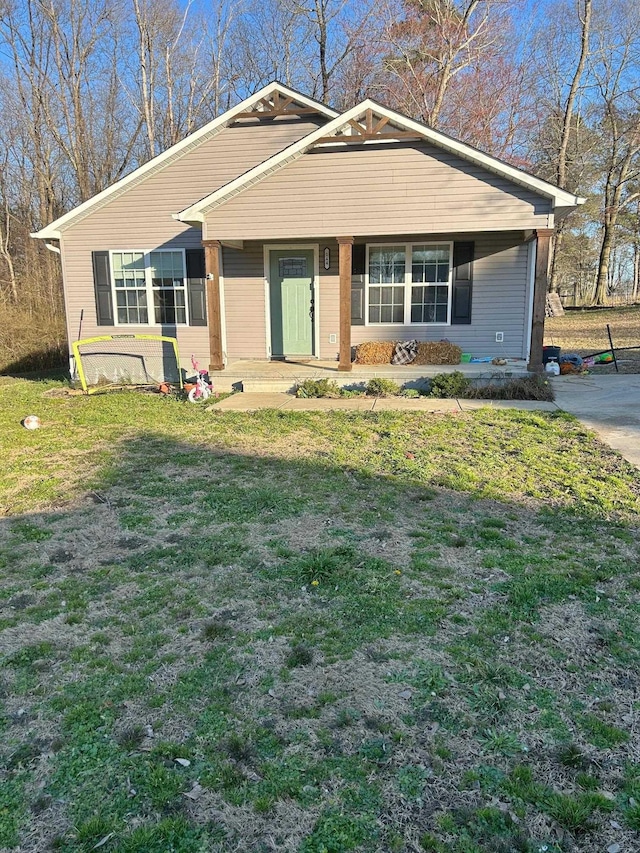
<point x="609" y="405"/>
<point x="250" y="402"/>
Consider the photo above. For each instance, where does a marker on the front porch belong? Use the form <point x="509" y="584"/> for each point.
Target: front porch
<point x="284" y="376"/>
<point x="277" y="300"/>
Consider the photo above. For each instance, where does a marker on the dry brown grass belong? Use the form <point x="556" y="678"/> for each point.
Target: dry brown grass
<point x="585" y="332"/>
<point x="31" y="340"/>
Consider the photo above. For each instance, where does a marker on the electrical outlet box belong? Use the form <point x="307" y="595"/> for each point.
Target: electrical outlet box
<point x="499" y="337"/>
<point x="333" y="339"/>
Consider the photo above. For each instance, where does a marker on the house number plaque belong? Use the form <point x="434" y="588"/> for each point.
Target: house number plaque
<point x="327" y="258"/>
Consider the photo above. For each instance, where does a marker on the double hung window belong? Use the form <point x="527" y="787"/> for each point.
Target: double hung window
<point x="409" y="284"/>
<point x="149" y="287"/>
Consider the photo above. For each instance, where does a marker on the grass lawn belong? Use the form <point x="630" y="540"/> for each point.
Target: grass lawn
<point x="585" y="332"/>
<point x="314" y="632"/>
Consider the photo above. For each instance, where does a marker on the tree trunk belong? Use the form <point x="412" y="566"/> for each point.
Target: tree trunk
<point x="556" y="249"/>
<point x="561" y="174"/>
<point x="602" y="282"/>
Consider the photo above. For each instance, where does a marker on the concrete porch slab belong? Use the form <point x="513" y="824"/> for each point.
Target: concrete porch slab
<point x="283" y="376"/>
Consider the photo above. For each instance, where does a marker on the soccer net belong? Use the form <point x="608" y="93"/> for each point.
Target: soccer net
<point x="110" y="360"/>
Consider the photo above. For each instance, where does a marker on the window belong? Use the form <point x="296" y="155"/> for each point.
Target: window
<point x="168" y="280"/>
<point x="150" y="287"/>
<point x="430" y="266"/>
<point x="129" y="280"/>
<point x="409" y="283"/>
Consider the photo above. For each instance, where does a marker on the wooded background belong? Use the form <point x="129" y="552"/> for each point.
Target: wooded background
<point x="91" y="89"/>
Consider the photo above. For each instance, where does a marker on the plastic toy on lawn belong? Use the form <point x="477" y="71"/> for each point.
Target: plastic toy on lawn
<point x="203" y="387"/>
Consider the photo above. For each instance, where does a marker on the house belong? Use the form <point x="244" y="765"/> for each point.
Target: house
<point x="283" y="229"/>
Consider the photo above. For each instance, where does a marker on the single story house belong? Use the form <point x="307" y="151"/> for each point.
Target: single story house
<point x="284" y="229"/>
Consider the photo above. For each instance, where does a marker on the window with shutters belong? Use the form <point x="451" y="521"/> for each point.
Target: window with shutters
<point x="149" y="287"/>
<point x="409" y="284"/>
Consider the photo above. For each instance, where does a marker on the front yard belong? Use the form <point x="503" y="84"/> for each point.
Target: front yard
<point x="314" y="632"/>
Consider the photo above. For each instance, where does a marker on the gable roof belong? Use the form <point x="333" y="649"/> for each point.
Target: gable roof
<point x="341" y="128"/>
<point x="254" y="102"/>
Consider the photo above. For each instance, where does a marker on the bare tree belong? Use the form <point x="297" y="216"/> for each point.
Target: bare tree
<point x="568" y="128"/>
<point x="619" y="91"/>
<point x="433" y="42"/>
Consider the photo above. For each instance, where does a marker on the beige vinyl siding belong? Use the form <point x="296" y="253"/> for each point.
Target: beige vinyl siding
<point x="244" y="299"/>
<point x="141" y="218"/>
<point x="375" y="190"/>
<point x="500" y="291"/>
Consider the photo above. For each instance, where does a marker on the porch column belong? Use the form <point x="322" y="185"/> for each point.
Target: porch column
<point x="212" y="250"/>
<point x="540" y="287"/>
<point x="344" y="253"/>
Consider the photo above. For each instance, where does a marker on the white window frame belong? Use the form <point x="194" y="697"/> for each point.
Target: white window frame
<point x="148" y="287"/>
<point x="408" y="257"/>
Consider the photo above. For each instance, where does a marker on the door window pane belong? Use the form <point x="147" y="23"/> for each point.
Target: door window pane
<point x="292" y="267"/>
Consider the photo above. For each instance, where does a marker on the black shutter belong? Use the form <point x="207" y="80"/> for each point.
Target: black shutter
<point x="196" y="287"/>
<point x="357" y="302"/>
<point x="102" y="288"/>
<point x="462" y="283"/>
<point x="358" y="255"/>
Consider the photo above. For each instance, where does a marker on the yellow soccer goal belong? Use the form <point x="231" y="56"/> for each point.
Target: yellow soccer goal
<point x="111" y="361"/>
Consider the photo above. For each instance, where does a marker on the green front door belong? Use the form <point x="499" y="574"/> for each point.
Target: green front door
<point x="291" y="292"/>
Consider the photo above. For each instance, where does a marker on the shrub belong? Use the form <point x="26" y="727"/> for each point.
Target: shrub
<point x="379" y="387"/>
<point x="522" y="388"/>
<point x="410" y="392"/>
<point x="446" y="385"/>
<point x="318" y="388"/>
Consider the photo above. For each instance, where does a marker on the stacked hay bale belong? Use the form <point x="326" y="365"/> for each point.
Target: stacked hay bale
<point x="429" y="352"/>
<point x="375" y="352"/>
<point x="438" y="352"/>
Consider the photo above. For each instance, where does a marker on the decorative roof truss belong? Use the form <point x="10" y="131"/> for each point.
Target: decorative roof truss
<point x="277" y="104"/>
<point x="369" y="128"/>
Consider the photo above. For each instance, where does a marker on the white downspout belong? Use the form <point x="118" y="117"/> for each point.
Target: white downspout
<point x="531" y="279"/>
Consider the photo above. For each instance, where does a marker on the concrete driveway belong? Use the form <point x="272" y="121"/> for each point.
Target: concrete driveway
<point x="609" y="405"/>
